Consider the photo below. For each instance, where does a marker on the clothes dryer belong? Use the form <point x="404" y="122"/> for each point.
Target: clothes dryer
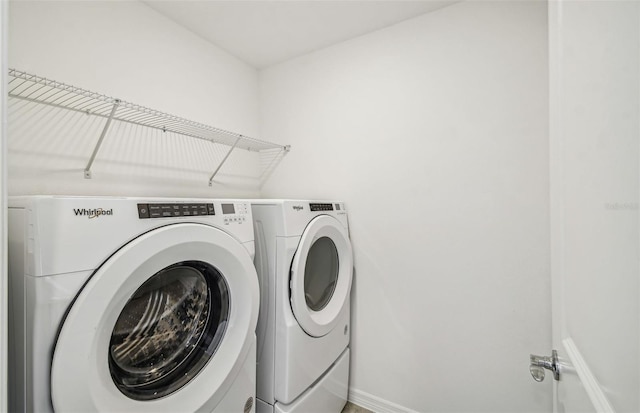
<point x="305" y="266"/>
<point x="131" y="305"/>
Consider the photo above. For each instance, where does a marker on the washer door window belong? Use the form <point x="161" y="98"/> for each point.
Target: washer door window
<point x="169" y="330"/>
<point x="148" y="332"/>
<point x="321" y="275"/>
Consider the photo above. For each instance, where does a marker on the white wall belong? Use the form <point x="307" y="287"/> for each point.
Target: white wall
<point x="434" y="132"/>
<point x="126" y="50"/>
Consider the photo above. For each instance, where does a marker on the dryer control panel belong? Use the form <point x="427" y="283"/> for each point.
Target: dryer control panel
<point x="320" y="207"/>
<point x="313" y="207"/>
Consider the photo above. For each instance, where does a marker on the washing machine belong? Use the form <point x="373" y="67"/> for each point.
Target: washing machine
<point x="305" y="267"/>
<point x="131" y="305"/>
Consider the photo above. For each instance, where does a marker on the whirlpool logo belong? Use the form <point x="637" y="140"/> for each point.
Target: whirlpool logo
<point x="298" y="208"/>
<point x="93" y="213"/>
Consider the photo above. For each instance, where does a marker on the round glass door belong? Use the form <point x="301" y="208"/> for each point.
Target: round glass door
<point x="151" y="328"/>
<point x="168" y="330"/>
<point x="320" y="273"/>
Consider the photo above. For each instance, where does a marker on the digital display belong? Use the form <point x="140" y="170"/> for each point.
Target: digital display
<point x="228" y="209"/>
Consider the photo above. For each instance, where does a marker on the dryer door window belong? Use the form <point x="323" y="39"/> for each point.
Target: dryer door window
<point x="320" y="273"/>
<point x="168" y="330"/>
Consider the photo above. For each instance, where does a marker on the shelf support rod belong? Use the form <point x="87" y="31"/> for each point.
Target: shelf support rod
<point x="87" y="169"/>
<point x="224" y="160"/>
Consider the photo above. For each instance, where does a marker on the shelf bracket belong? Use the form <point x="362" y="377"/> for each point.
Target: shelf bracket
<point x="276" y="160"/>
<point x="87" y="169"/>
<point x="224" y="160"/>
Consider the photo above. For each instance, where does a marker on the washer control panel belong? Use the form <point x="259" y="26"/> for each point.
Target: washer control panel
<point x="163" y="210"/>
<point x="225" y="212"/>
<point x="235" y="213"/>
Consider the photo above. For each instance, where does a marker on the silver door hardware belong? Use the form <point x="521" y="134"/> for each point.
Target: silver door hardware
<point x="539" y="363"/>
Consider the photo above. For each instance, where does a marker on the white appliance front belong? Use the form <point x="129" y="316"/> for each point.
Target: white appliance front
<point x="327" y="395"/>
<point x="163" y="321"/>
<point x="304" y="262"/>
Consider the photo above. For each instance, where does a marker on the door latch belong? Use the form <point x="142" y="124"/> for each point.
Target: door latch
<point x="539" y="363"/>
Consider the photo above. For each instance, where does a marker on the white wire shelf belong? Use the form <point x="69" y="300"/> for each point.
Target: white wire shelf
<point x="37" y="89"/>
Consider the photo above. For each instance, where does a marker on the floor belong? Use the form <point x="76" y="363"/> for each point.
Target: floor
<point x="352" y="408"/>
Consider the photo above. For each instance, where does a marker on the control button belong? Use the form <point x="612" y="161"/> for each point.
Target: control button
<point x="166" y="210"/>
<point x="143" y="211"/>
<point x="155" y="211"/>
<point x="211" y="209"/>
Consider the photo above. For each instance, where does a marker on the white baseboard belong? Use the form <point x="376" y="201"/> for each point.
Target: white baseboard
<point x="376" y="404"/>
